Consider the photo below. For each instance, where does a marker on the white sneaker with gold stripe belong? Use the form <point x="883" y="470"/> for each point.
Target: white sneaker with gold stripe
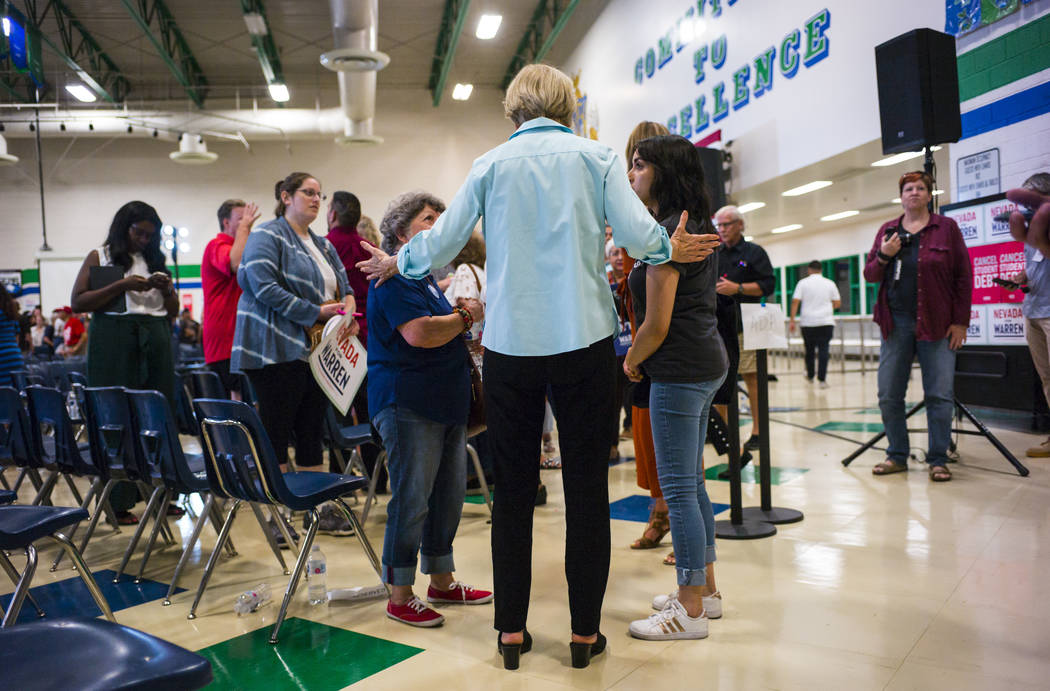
<point x="672" y="623"/>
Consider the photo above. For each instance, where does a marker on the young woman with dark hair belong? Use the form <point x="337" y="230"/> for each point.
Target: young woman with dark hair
<point x="679" y="348"/>
<point x="129" y="339"/>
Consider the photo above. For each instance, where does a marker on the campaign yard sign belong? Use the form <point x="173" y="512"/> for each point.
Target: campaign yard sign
<point x="339" y="363"/>
<point x="763" y="326"/>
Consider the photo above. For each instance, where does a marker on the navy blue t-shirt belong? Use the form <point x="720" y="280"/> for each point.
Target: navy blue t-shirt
<point x="432" y="382"/>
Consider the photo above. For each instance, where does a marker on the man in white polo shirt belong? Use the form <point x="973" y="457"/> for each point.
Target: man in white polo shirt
<point x="819" y="298"/>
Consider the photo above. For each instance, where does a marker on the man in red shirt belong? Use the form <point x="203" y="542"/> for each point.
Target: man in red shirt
<point x="344" y="213"/>
<point x="219" y="265"/>
<point x="74" y="335"/>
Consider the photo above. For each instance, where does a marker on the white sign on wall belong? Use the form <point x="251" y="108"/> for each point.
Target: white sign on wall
<point x="977" y="175"/>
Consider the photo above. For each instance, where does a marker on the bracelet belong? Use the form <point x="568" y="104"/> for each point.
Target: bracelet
<point x="739" y="288"/>
<point x="882" y="256"/>
<point x="468" y="320"/>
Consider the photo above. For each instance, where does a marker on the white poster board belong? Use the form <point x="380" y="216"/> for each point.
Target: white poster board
<point x="339" y="363"/>
<point x="763" y="326"/>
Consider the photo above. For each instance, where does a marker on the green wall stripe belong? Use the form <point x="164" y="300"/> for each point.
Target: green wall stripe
<point x="30" y="276"/>
<point x="187" y="270"/>
<point x="1020" y="53"/>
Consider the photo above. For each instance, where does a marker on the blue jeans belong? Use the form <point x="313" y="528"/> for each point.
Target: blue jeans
<point x="678" y="412"/>
<point x="427" y="463"/>
<point x="937" y="364"/>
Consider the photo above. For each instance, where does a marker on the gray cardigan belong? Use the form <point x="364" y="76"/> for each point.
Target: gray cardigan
<point x="283" y="291"/>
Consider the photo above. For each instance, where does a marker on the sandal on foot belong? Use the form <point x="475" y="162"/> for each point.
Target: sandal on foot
<point x="889" y="467"/>
<point x="669" y="560"/>
<point x="939" y="473"/>
<point x="126" y="518"/>
<point x="659" y="523"/>
<point x="550" y="463"/>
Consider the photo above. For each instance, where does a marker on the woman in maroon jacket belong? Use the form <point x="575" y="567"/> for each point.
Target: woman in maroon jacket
<point x="925" y="282"/>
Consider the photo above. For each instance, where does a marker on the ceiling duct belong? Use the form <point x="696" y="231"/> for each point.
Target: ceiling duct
<point x="355" y="60"/>
<point x="192" y="151"/>
<point x="6" y="159"/>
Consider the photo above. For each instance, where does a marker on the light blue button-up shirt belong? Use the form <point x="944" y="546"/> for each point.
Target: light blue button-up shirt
<point x="544" y="197"/>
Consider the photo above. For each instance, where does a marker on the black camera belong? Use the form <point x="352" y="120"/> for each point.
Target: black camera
<point x="905" y="237"/>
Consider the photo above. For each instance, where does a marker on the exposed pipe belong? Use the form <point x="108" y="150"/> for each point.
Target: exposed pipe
<point x="356" y="60"/>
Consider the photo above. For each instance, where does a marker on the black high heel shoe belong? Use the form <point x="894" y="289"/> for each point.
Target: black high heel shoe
<point x="512" y="652"/>
<point x="583" y="652"/>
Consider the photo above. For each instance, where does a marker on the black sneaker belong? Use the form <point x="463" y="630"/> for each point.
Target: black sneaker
<point x="331" y="521"/>
<point x="279" y="536"/>
<point x="745" y="458"/>
<point x="752" y="443"/>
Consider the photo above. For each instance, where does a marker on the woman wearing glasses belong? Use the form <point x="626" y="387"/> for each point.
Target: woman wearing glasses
<point x="292" y="279"/>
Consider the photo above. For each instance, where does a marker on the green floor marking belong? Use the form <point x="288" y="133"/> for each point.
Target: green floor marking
<point x="869" y="427"/>
<point x="309" y="656"/>
<point x="749" y="473"/>
<point x="474" y="499"/>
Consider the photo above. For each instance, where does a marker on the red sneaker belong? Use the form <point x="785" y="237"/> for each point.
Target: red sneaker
<point x="458" y="594"/>
<point x="414" y="613"/>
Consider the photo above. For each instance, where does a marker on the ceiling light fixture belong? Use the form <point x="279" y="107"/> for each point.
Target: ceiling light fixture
<point x="6" y="159"/>
<point x="807" y="188"/>
<point x="279" y="92"/>
<point x="901" y="157"/>
<point x="256" y="24"/>
<point x="192" y="151"/>
<point x="81" y="93"/>
<point x="750" y="206"/>
<point x="488" y="25"/>
<point x="840" y="215"/>
<point x="786" y="229"/>
<point x="461" y="92"/>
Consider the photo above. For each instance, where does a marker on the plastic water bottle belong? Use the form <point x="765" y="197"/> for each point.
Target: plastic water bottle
<point x="316" y="568"/>
<point x="251" y="600"/>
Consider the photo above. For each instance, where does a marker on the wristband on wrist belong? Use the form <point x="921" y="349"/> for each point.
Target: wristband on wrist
<point x="468" y="320"/>
<point x="881" y="255"/>
<point x="739" y="288"/>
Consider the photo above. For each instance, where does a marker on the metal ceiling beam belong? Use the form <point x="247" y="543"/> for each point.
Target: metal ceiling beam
<point x="547" y="22"/>
<point x="170" y="45"/>
<point x="264" y="45"/>
<point x="79" y="50"/>
<point x="452" y="21"/>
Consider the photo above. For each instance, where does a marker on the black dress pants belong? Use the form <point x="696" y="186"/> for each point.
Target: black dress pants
<point x="817" y="340"/>
<point x="582" y="386"/>
<point x="291" y="401"/>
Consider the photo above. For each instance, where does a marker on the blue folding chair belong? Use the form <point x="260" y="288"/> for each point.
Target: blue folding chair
<point x="241" y="463"/>
<point x="182" y="473"/>
<point x="206" y="384"/>
<point x="58" y="449"/>
<point x="20" y="527"/>
<point x="15" y="446"/>
<point x="94" y="655"/>
<point x="111" y="434"/>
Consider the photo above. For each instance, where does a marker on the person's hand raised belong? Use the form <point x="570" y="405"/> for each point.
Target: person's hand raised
<point x="1037" y="233"/>
<point x="687" y="248"/>
<point x="379" y="267"/>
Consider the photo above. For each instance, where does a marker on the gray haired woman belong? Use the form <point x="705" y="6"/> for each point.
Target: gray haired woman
<point x="419" y="399"/>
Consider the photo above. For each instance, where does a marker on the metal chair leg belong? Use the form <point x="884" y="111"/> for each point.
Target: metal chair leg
<point x="96" y="483"/>
<point x="216" y="521"/>
<point x="366" y="545"/>
<point x="214" y="558"/>
<point x="73" y="489"/>
<point x="44" y="493"/>
<point x="103" y="501"/>
<point x="274" y="547"/>
<point x="21" y="589"/>
<point x="205" y="514"/>
<point x="150" y="508"/>
<point x="282" y="526"/>
<point x="472" y="452"/>
<point x="85" y="574"/>
<point x="158" y="520"/>
<point x="3" y="479"/>
<point x="12" y="572"/>
<point x="380" y="462"/>
<point x="300" y="564"/>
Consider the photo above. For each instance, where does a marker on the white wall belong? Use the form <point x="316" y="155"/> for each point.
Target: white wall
<point x="823" y="110"/>
<point x="425" y="148"/>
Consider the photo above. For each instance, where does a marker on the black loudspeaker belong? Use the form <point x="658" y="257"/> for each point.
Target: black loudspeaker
<point x="918" y="91"/>
<point x="714" y="176"/>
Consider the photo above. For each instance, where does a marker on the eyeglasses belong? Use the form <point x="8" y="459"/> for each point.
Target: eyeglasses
<point x="727" y="223"/>
<point x="312" y="193"/>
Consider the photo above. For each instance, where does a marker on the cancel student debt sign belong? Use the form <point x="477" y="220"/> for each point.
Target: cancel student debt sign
<point x="339" y="364"/>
